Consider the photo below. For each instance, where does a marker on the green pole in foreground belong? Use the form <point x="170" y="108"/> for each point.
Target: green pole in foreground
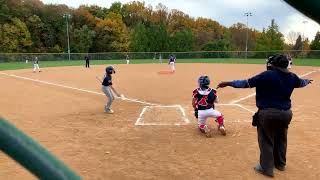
<point x="32" y="155"/>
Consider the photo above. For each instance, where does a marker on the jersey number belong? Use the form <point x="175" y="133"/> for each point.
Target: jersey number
<point x="203" y="101"/>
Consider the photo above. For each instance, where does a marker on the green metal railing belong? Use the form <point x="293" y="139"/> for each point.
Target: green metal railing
<point x="32" y="155"/>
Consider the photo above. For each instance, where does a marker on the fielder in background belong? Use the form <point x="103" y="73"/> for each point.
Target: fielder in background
<point x="36" y="65"/>
<point x="127" y="59"/>
<point x="203" y="99"/>
<point x="154" y="56"/>
<point x="172" y="62"/>
<point x="26" y="58"/>
<point x="107" y="88"/>
<point x="87" y="61"/>
<point x="273" y="91"/>
<point x="160" y="58"/>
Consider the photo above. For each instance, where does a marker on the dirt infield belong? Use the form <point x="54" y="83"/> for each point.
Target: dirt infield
<point x="62" y="108"/>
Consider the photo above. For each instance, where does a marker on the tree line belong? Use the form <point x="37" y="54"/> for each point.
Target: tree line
<point x="32" y="26"/>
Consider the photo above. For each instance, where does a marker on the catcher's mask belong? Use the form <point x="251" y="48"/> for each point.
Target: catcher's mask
<point x="280" y="61"/>
<point x="204" y="82"/>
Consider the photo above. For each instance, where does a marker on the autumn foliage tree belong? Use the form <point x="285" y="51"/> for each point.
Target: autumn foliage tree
<point x="31" y="26"/>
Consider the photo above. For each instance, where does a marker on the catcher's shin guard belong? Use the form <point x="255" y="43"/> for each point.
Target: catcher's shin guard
<point x="220" y="120"/>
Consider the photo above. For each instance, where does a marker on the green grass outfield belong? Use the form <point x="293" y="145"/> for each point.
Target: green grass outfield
<point x="23" y="65"/>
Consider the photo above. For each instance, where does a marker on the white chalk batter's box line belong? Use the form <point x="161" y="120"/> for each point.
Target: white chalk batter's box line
<point x="140" y="121"/>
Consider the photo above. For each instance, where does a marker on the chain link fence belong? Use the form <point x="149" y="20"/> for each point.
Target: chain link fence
<point x="22" y="57"/>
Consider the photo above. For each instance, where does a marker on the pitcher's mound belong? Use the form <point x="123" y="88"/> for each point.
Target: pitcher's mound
<point x="165" y="72"/>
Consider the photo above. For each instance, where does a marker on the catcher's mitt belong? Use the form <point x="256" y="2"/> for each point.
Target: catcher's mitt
<point x="196" y="113"/>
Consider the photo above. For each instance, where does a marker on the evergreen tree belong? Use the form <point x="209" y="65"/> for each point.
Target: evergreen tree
<point x="299" y="44"/>
<point x="315" y="44"/>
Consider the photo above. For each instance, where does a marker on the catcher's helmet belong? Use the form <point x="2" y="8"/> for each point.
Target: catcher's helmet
<point x="280" y="61"/>
<point x="110" y="70"/>
<point x="204" y="81"/>
<point x="269" y="62"/>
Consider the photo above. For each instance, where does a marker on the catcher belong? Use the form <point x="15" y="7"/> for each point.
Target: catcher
<point x="203" y="99"/>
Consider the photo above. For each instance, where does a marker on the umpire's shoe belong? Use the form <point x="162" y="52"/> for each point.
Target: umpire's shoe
<point x="259" y="169"/>
<point x="280" y="168"/>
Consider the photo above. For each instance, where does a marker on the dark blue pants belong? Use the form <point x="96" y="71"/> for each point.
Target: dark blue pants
<point x="87" y="64"/>
<point x="272" y="137"/>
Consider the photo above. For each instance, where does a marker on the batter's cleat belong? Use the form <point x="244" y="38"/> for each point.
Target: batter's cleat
<point x="222" y="130"/>
<point x="109" y="111"/>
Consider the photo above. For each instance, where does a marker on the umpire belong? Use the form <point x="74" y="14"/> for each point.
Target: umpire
<point x="87" y="61"/>
<point x="273" y="91"/>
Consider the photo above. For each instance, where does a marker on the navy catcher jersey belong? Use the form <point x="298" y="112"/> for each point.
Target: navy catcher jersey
<point x="107" y="81"/>
<point x="204" y="98"/>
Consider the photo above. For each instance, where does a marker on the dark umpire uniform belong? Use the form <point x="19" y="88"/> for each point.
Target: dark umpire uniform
<point x="273" y="91"/>
<point x="87" y="61"/>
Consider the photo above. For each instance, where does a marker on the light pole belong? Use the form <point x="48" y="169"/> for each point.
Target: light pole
<point x="304" y="29"/>
<point x="67" y="16"/>
<point x="247" y="14"/>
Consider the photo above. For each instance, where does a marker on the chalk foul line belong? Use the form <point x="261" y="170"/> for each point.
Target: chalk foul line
<point x="78" y="89"/>
<point x="184" y="117"/>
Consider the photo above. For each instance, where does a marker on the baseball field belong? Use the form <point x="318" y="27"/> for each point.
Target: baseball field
<point x="153" y="133"/>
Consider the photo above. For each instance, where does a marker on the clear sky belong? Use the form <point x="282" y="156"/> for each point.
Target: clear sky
<point x="228" y="12"/>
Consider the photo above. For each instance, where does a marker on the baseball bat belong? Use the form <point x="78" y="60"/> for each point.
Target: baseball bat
<point x="98" y="79"/>
<point x="121" y="95"/>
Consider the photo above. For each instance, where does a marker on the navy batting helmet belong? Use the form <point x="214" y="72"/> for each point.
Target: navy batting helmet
<point x="110" y="70"/>
<point x="204" y="81"/>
